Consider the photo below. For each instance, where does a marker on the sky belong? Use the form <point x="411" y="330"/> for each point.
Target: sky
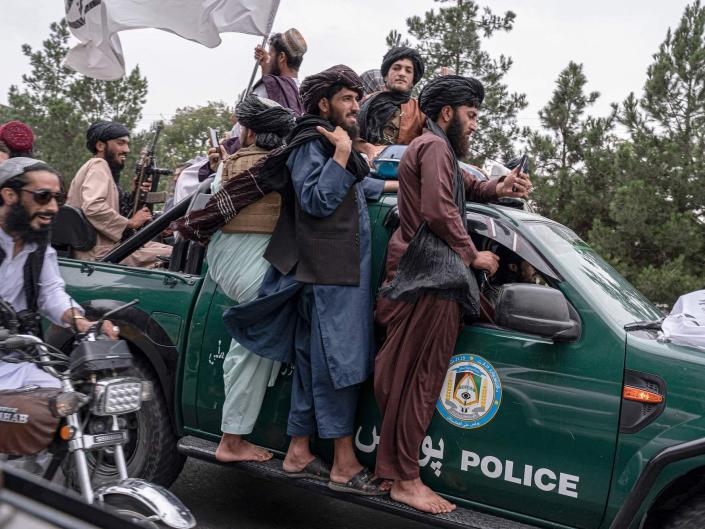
<point x="613" y="39"/>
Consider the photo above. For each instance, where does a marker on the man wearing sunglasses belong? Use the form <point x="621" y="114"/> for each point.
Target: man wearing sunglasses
<point x="30" y="196"/>
<point x="95" y="190"/>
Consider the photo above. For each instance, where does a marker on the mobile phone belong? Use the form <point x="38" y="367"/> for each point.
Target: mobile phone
<point x="213" y="136"/>
<point x="523" y="166"/>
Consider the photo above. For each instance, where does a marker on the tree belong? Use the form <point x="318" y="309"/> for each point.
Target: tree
<point x="451" y="37"/>
<point x="186" y="133"/>
<point x="572" y="170"/>
<point x="59" y="104"/>
<point x="654" y="231"/>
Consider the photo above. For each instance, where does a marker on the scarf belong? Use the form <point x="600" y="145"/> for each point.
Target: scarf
<point x="376" y="111"/>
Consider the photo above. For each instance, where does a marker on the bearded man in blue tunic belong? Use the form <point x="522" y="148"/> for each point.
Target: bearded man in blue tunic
<point x="314" y="308"/>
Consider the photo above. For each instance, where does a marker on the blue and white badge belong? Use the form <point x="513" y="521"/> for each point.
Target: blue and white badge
<point x="471" y="392"/>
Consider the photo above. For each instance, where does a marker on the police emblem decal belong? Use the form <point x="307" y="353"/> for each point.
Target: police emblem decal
<point x="471" y="392"/>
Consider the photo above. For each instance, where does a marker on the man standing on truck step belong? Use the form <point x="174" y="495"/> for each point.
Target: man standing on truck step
<point x="423" y="323"/>
<point x="95" y="190"/>
<point x="392" y="116"/>
<point x="314" y="307"/>
<point x="236" y="264"/>
<point x="30" y="196"/>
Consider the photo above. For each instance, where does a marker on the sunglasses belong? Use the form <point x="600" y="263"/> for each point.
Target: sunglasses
<point x="43" y="196"/>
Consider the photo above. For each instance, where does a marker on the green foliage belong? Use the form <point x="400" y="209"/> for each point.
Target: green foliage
<point x="637" y="198"/>
<point x="452" y="37"/>
<point x="59" y="104"/>
<point x="186" y="133"/>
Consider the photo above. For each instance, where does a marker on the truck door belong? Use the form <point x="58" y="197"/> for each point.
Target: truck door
<point x="271" y="425"/>
<point x="531" y="425"/>
<point x="523" y="424"/>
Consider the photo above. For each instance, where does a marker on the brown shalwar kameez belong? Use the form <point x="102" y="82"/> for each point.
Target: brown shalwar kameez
<point x="421" y="336"/>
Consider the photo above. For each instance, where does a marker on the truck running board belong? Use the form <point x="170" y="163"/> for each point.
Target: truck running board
<point x="272" y="470"/>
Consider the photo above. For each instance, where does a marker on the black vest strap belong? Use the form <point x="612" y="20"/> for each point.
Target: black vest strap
<point x="32" y="273"/>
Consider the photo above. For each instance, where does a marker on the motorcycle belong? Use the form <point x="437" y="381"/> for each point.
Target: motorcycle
<point x="96" y="398"/>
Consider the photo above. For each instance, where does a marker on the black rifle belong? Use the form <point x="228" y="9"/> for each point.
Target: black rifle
<point x="146" y="168"/>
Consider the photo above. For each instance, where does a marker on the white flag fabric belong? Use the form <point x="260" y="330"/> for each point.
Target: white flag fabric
<point x="685" y="325"/>
<point x="96" y="24"/>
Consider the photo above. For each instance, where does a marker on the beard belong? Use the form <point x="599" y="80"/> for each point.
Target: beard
<point x="18" y="224"/>
<point x="459" y="141"/>
<point x="115" y="163"/>
<point x="338" y="119"/>
<point x="275" y="70"/>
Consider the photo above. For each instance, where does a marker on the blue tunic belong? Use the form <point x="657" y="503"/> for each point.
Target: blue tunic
<point x="268" y="324"/>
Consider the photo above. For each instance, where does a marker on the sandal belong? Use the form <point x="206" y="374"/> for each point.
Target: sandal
<point x="316" y="469"/>
<point x="363" y="483"/>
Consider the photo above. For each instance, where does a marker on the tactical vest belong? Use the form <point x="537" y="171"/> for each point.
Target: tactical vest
<point x="29" y="319"/>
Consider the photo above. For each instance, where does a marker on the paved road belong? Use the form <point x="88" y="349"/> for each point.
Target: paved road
<point x="223" y="498"/>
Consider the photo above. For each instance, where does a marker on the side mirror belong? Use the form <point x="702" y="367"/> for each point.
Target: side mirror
<point x="536" y="309"/>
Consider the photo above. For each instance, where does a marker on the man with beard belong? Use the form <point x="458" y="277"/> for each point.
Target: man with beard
<point x="30" y="196"/>
<point x="280" y="69"/>
<point x="392" y="116"/>
<point x="423" y="323"/>
<point x="314" y="305"/>
<point x="95" y="190"/>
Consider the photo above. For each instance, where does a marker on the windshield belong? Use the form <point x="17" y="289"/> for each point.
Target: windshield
<point x="615" y="296"/>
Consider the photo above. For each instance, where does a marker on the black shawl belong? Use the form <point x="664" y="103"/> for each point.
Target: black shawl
<point x="430" y="266"/>
<point x="376" y="111"/>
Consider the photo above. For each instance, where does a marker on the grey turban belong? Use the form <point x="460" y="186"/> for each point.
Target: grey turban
<point x="15" y="167"/>
<point x="270" y="121"/>
<point x="104" y="131"/>
<point x="453" y="90"/>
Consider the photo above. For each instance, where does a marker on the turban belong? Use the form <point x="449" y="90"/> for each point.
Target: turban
<point x="104" y="131"/>
<point x="13" y="167"/>
<point x="294" y="43"/>
<point x="402" y="52"/>
<point x="453" y="90"/>
<point x="316" y="87"/>
<point x="17" y="136"/>
<point x="270" y="121"/>
<point x="372" y="81"/>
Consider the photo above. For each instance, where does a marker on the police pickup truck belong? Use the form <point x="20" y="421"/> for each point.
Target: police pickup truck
<point x="560" y="407"/>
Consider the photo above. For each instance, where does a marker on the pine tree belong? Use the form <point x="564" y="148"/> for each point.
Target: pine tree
<point x="655" y="231"/>
<point x="572" y="173"/>
<point x="59" y="104"/>
<point x="452" y="37"/>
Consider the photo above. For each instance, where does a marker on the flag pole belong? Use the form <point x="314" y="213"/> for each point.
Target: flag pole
<point x="272" y="14"/>
<point x="254" y="70"/>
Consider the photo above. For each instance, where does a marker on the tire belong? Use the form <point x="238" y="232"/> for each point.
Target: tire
<point x="133" y="511"/>
<point x="151" y="453"/>
<point x="689" y="515"/>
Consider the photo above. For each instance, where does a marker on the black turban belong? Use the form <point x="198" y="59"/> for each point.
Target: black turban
<point x="402" y="52"/>
<point x="270" y="121"/>
<point x="453" y="90"/>
<point x="104" y="131"/>
<point x="316" y="87"/>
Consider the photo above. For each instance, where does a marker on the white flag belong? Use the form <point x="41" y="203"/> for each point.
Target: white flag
<point x="96" y="24"/>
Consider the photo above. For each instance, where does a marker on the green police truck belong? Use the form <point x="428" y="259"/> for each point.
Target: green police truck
<point x="560" y="407"/>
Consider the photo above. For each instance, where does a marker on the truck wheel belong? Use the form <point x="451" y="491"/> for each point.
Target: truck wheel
<point x="150" y="453"/>
<point x="689" y="515"/>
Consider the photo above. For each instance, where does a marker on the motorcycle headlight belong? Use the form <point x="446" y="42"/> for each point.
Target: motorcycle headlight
<point x="116" y="396"/>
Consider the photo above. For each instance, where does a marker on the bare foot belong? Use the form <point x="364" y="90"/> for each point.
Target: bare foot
<point x="234" y="448"/>
<point x="417" y="495"/>
<point x="298" y="455"/>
